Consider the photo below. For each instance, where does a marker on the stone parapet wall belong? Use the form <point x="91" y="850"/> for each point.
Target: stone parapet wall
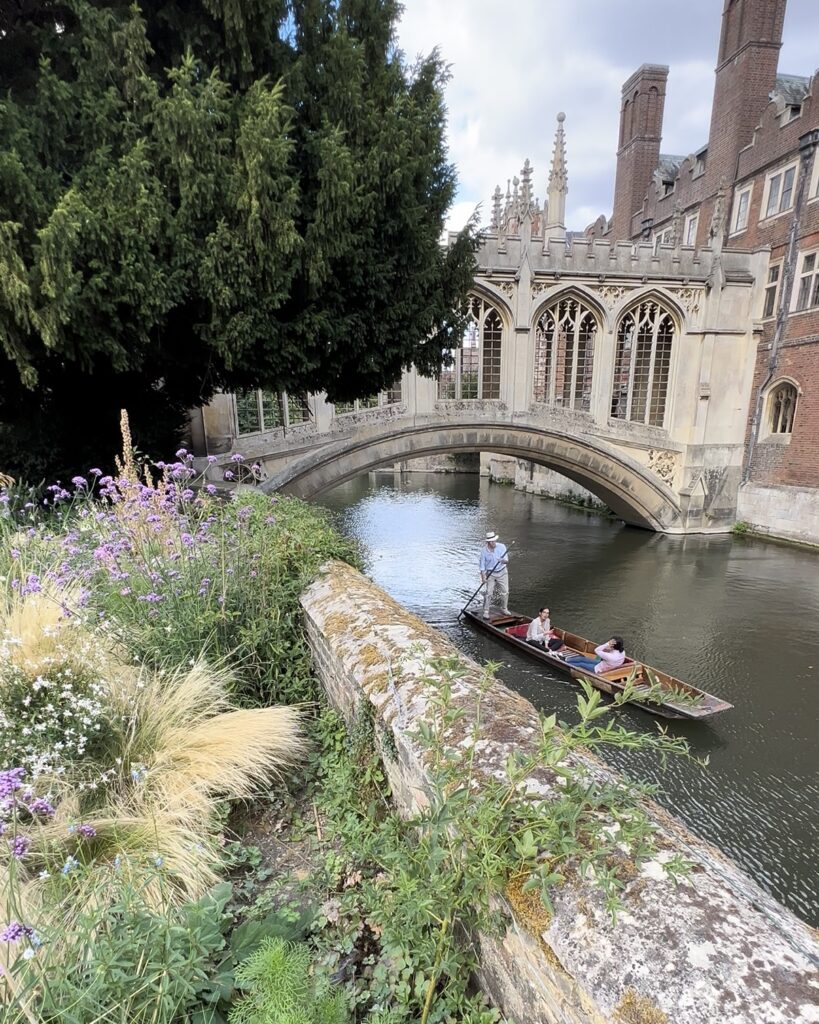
<point x="791" y="513"/>
<point x="714" y="948"/>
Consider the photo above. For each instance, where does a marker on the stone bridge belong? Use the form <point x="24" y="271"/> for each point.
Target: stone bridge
<point x="627" y="368"/>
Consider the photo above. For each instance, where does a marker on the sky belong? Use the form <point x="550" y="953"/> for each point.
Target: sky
<point x="514" y="65"/>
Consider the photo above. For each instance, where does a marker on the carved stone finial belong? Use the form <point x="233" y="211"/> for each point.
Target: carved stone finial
<point x="558" y="185"/>
<point x="526" y="183"/>
<point x="496" y="208"/>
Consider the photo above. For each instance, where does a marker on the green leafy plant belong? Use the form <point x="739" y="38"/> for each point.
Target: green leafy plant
<point x="280" y="990"/>
<point x="483" y="842"/>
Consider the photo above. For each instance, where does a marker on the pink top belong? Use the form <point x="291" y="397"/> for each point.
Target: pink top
<point x="611" y="659"/>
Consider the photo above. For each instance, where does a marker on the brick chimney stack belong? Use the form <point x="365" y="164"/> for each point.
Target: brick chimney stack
<point x="749" y="45"/>
<point x="641" y="129"/>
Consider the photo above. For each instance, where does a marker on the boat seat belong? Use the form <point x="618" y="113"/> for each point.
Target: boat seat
<point x="614" y="675"/>
<point x="518" y="631"/>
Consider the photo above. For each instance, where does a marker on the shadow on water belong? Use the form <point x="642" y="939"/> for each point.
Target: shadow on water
<point x="737" y="617"/>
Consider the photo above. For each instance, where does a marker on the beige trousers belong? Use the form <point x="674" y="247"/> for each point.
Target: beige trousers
<point x="496" y="592"/>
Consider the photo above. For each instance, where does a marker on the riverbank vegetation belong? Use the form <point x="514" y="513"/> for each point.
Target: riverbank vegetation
<point x="190" y="834"/>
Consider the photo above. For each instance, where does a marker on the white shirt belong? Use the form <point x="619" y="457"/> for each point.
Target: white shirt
<point x="537" y="630"/>
<point x="611" y="659"/>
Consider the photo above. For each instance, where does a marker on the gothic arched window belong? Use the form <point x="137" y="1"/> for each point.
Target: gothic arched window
<point x="474" y="369"/>
<point x="564" y="354"/>
<point x="642" y="364"/>
<point x="782" y="406"/>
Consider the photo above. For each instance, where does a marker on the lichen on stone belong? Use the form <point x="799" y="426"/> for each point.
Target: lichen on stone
<point x="636" y="1009"/>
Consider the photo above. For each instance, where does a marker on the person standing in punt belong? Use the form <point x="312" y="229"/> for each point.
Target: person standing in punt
<point x="493" y="564"/>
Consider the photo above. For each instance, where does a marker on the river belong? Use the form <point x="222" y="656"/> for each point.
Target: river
<point x="737" y="616"/>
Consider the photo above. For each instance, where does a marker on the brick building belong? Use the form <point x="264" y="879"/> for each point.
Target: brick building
<point x="754" y="184"/>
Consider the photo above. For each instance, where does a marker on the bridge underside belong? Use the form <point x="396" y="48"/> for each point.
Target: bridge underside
<point x="632" y="492"/>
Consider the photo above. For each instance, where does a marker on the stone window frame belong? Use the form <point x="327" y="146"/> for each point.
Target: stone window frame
<point x="806" y="282"/>
<point x="486" y="337"/>
<point x="700" y="161"/>
<point x="790" y="112"/>
<point x="691" y="222"/>
<point x="778" y="414"/>
<point x="771" y="290"/>
<point x="739" y="192"/>
<point x="392" y="396"/>
<point x="581" y="350"/>
<point x="663" y="237"/>
<point x="779" y="172"/>
<point x="284" y="419"/>
<point x="664" y="311"/>
<point x="813" y="189"/>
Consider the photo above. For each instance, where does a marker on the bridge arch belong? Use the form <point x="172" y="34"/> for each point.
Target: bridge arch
<point x="633" y="492"/>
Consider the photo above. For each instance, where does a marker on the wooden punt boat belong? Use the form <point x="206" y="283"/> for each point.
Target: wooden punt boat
<point x="671" y="697"/>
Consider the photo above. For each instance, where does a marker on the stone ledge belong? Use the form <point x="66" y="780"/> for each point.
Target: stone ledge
<point x="715" y="948"/>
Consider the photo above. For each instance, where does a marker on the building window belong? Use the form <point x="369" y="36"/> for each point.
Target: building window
<point x="771" y="290"/>
<point x="642" y="364"/>
<point x="813" y="191"/>
<point x="779" y="191"/>
<point x="394" y="395"/>
<point x="390" y="397"/>
<point x="666" y="187"/>
<point x="690" y="233"/>
<point x="791" y="113"/>
<point x="662" y="238"/>
<point x="699" y="164"/>
<point x="742" y="203"/>
<point x="564" y="354"/>
<point x="258" y="411"/>
<point x="474" y="368"/>
<point x="808" y="295"/>
<point x="782" y="407"/>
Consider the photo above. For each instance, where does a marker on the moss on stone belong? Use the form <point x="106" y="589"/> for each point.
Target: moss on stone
<point x="637" y="1009"/>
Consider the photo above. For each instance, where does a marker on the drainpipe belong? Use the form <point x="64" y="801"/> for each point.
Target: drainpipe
<point x="807" y="147"/>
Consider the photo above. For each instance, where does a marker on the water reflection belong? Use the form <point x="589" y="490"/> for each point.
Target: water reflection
<point x="739" y="618"/>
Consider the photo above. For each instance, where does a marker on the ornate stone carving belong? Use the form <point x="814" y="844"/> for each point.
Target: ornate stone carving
<point x="539" y="288"/>
<point x="611" y="294"/>
<point x="504" y="285"/>
<point x="689" y="299"/>
<point x="663" y="463"/>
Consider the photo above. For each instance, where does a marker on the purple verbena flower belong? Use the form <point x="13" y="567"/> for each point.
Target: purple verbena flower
<point x="10" y="782"/>
<point x="41" y="808"/>
<point x="228" y="475"/>
<point x="237" y="457"/>
<point x="19" y="846"/>
<point x="86" y="830"/>
<point x="79" y="481"/>
<point x="14" y="931"/>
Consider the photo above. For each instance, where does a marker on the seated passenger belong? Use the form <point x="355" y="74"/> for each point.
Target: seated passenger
<point x="609" y="655"/>
<point x="538" y="631"/>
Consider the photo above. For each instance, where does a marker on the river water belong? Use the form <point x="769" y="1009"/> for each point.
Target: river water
<point x="736" y="616"/>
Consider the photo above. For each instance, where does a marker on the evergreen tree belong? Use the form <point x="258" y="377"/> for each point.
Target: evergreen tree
<point x="212" y="194"/>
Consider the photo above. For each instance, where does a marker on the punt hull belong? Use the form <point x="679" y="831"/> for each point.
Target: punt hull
<point x="708" y="704"/>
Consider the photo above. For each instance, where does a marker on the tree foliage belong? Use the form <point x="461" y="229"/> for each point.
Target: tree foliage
<point x="217" y="194"/>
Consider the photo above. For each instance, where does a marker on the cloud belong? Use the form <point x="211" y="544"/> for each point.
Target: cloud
<point x="514" y="66"/>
